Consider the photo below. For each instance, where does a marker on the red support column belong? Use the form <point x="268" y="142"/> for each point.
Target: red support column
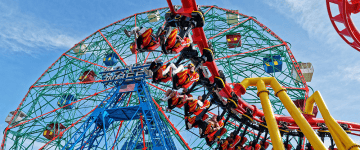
<point x="143" y="134"/>
<point x="117" y="134"/>
<point x="171" y="7"/>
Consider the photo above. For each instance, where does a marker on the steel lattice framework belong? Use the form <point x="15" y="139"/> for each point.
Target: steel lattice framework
<point x="62" y="77"/>
<point x="141" y="119"/>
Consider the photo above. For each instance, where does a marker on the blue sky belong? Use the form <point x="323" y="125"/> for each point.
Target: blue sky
<point x="33" y="34"/>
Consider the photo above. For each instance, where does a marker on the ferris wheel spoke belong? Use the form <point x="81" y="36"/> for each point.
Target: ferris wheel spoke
<point x="208" y="10"/>
<point x="156" y="87"/>
<point x="112" y="48"/>
<point x="172" y="58"/>
<point x="147" y="57"/>
<point x="85" y="61"/>
<point x="48" y="69"/>
<point x="61" y="84"/>
<point x="72" y="125"/>
<point x="15" y="113"/>
<point x="228" y="10"/>
<point x="60" y="108"/>
<point x="222" y="32"/>
<point x="158" y="57"/>
<point x="228" y="56"/>
<point x="267" y="30"/>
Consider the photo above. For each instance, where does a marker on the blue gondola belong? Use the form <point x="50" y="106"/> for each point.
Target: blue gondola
<point x="65" y="100"/>
<point x="111" y="59"/>
<point x="272" y="63"/>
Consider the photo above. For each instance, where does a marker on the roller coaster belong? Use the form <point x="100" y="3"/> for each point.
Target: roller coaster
<point x="342" y="22"/>
<point x="119" y="88"/>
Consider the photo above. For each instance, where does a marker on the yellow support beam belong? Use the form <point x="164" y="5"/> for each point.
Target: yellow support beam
<point x="275" y="136"/>
<point x="342" y="140"/>
<point x="337" y="140"/>
<point x="290" y="107"/>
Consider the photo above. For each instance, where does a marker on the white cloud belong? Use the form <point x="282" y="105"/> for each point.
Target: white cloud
<point x="352" y="73"/>
<point x="312" y="16"/>
<point x="20" y="32"/>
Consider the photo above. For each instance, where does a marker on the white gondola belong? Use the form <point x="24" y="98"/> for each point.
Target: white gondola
<point x="153" y="16"/>
<point x="20" y="116"/>
<point x="232" y="18"/>
<point x="307" y="70"/>
<point x="80" y="49"/>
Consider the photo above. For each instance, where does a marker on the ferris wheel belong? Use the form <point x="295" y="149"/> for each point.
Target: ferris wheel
<point x="57" y="107"/>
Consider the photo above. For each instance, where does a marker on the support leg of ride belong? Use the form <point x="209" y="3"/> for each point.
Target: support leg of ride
<point x="269" y="116"/>
<point x="334" y="128"/>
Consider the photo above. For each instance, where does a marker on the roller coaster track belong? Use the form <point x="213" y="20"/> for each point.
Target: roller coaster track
<point x="349" y="34"/>
<point x="297" y="119"/>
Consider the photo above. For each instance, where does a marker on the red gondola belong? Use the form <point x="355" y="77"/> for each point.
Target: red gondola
<point x="52" y="130"/>
<point x="87" y="76"/>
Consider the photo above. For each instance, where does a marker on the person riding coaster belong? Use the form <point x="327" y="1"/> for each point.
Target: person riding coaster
<point x="213" y="85"/>
<point x="203" y="79"/>
<point x="164" y="73"/>
<point x="234" y="142"/>
<point x="230" y="143"/>
<point x="159" y="74"/>
<point x="194" y="105"/>
<point x="185" y="23"/>
<point x="223" y="144"/>
<point x="213" y="137"/>
<point x="262" y="145"/>
<point x="249" y="147"/>
<point x="209" y="126"/>
<point x="175" y="99"/>
<point x="192" y="54"/>
<point x="193" y="121"/>
<point x="171" y="42"/>
<point x="145" y="39"/>
<point x="185" y="78"/>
